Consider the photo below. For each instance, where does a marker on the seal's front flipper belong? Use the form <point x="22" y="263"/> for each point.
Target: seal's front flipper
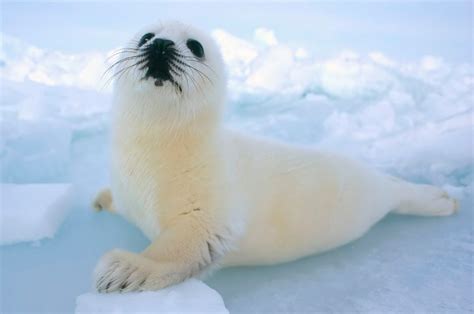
<point x="188" y="247"/>
<point x="103" y="201"/>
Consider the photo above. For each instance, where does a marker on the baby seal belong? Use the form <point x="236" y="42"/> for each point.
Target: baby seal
<point x="208" y="196"/>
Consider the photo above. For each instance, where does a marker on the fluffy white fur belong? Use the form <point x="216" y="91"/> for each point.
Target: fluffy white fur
<point x="206" y="195"/>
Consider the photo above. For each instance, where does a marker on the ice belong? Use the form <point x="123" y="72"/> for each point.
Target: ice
<point x="38" y="126"/>
<point x="24" y="62"/>
<point x="31" y="212"/>
<point x="191" y="296"/>
<point x="409" y="117"/>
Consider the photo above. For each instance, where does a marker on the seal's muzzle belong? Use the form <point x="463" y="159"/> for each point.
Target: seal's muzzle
<point x="159" y="54"/>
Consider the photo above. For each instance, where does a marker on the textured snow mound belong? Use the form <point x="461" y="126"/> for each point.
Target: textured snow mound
<point x="30" y="212"/>
<point x="191" y="296"/>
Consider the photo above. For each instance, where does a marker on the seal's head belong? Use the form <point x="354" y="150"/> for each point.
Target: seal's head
<point x="169" y="68"/>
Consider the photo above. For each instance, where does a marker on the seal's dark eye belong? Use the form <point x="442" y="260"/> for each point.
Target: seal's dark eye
<point x="195" y="47"/>
<point x="145" y="38"/>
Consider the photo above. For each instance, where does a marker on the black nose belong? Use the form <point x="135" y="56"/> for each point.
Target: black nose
<point x="159" y="53"/>
<point x="160" y="45"/>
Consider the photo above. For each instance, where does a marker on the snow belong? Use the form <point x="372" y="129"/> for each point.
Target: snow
<point x="411" y="118"/>
<point x="191" y="296"/>
<point x="27" y="62"/>
<point x="31" y="212"/>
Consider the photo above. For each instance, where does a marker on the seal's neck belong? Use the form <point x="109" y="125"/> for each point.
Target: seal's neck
<point x="165" y="128"/>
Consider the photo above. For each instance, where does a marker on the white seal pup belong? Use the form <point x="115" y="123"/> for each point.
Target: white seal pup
<point x="206" y="195"/>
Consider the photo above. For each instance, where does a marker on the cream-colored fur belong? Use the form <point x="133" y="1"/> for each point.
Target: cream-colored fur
<point x="206" y="195"/>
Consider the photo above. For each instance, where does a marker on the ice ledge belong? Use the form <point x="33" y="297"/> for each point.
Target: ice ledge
<point x="191" y="296"/>
<point x="31" y="212"/>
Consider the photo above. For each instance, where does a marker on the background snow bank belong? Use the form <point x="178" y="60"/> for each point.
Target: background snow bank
<point x="30" y="212"/>
<point x="191" y="296"/>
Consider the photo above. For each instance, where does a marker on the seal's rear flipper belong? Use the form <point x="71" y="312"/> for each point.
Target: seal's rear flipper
<point x="424" y="200"/>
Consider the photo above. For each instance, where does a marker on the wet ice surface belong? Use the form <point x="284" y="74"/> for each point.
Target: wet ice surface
<point x="412" y="120"/>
